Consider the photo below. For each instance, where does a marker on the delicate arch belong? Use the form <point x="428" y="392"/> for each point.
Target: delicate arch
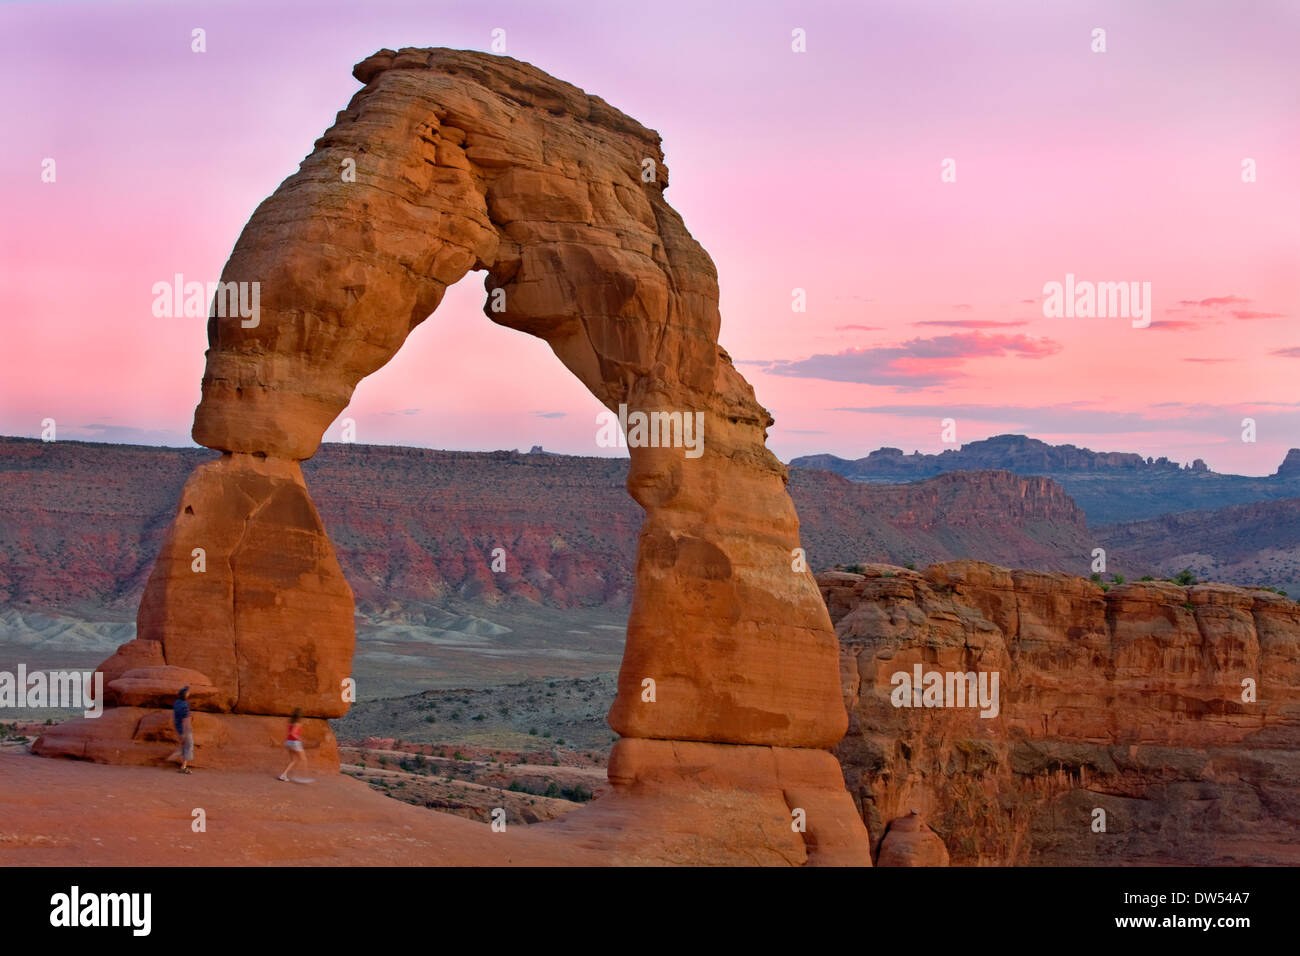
<point x="467" y="161"/>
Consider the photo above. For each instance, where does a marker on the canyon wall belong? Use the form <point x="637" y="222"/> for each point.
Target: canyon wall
<point x="1128" y="701"/>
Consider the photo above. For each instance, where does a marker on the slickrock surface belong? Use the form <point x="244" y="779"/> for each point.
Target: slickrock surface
<point x="1129" y="701"/>
<point x="466" y="161"/>
<point x="60" y="813"/>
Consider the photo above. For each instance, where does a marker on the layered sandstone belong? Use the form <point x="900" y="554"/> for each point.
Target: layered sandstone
<point x="464" y="162"/>
<point x="1133" y="701"/>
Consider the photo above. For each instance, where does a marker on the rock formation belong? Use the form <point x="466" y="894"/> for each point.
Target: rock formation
<point x="465" y="161"/>
<point x="1129" y="701"/>
<point x="909" y="842"/>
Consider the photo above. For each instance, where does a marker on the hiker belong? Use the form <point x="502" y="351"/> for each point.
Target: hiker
<point x="293" y="744"/>
<point x="184" y="725"/>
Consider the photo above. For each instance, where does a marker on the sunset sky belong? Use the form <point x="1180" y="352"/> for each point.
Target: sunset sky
<point x="817" y="170"/>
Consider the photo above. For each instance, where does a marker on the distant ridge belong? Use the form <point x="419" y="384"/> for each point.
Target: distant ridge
<point x="1015" y="453"/>
<point x="1109" y="486"/>
<point x="81" y="523"/>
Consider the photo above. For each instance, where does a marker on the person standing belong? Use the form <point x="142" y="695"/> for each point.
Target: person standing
<point x="184" y="725"/>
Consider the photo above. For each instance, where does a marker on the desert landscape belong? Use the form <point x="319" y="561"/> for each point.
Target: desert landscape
<point x="480" y="690"/>
<point x="1000" y="575"/>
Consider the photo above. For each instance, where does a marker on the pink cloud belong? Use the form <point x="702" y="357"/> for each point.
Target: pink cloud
<point x="973" y="323"/>
<point x="1220" y="300"/>
<point x="916" y="363"/>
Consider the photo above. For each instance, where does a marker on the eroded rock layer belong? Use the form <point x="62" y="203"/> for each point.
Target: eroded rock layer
<point x="1173" y="710"/>
<point x="465" y="161"/>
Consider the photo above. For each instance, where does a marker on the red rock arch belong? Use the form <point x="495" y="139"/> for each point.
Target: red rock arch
<point x="467" y="161"/>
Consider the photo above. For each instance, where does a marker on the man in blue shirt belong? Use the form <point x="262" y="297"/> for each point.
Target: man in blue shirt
<point x="184" y="728"/>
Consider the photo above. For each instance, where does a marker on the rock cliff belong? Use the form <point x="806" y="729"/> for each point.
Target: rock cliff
<point x="1168" y="715"/>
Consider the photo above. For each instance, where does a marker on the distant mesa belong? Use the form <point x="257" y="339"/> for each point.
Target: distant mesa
<point x="1109" y="486"/>
<point x="1016" y="453"/>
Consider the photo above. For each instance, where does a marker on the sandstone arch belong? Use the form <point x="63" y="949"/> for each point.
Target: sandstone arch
<point x="467" y="161"/>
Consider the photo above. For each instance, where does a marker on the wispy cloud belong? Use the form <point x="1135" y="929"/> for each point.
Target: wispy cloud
<point x="973" y="323"/>
<point x="550" y="414"/>
<point x="859" y="328"/>
<point x="1216" y="301"/>
<point x="1246" y="314"/>
<point x="914" y="364"/>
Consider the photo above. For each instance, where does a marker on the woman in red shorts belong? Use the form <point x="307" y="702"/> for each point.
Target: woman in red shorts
<point x="293" y="743"/>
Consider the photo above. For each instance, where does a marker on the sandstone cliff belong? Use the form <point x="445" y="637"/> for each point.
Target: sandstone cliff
<point x="1128" y="701"/>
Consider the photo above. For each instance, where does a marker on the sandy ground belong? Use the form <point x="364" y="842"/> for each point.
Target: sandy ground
<point x="75" y="813"/>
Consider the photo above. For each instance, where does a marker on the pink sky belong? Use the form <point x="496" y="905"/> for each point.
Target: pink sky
<point x="817" y="170"/>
